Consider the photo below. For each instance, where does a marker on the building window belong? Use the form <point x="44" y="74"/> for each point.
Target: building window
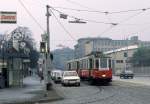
<point x="119" y="61"/>
<point x="125" y="54"/>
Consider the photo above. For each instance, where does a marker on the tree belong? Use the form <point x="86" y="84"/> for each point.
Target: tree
<point x="34" y="56"/>
<point x="61" y="56"/>
<point x="141" y="57"/>
<point x="24" y="35"/>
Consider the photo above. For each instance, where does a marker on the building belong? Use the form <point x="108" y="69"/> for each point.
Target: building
<point x="88" y="45"/>
<point x="120" y="58"/>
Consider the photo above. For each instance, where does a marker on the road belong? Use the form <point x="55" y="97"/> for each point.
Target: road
<point x="116" y="93"/>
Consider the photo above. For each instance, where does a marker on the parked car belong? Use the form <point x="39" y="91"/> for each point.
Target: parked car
<point x="56" y="75"/>
<point x="126" y="74"/>
<point x="70" y="78"/>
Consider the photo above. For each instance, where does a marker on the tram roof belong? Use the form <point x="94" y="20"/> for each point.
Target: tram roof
<point x="91" y="55"/>
<point x="122" y="49"/>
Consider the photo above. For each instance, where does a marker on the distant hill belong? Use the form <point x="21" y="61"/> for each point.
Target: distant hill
<point x="61" y="56"/>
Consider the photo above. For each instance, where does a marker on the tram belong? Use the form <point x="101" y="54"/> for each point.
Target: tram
<point x="95" y="67"/>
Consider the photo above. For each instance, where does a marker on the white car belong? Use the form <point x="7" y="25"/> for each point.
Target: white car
<point x="70" y="78"/>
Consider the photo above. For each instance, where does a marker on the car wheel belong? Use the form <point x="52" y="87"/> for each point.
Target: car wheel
<point x="121" y="77"/>
<point x="62" y="84"/>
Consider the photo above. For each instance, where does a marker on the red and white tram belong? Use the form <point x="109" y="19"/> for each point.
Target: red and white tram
<point x="93" y="67"/>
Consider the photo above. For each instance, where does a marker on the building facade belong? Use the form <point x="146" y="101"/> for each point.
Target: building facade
<point x="120" y="58"/>
<point x="87" y="45"/>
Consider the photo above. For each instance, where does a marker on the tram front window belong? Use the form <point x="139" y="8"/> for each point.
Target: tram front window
<point x="103" y="63"/>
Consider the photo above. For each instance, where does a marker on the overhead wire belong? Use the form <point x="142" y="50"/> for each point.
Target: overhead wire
<point x="106" y="12"/>
<point x="107" y="30"/>
<point x="87" y="20"/>
<point x="76" y="3"/>
<point x="82" y="10"/>
<point x="93" y="21"/>
<point x="111" y="23"/>
<point x="63" y="27"/>
<point x="33" y="18"/>
<point x="132" y="10"/>
<point x="124" y="20"/>
<point x="130" y="17"/>
<point x="102" y="12"/>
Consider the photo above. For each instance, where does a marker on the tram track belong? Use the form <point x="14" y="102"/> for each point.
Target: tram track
<point x="102" y="93"/>
<point x="97" y="97"/>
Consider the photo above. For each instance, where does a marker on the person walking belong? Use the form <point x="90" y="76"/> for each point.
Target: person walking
<point x="41" y="74"/>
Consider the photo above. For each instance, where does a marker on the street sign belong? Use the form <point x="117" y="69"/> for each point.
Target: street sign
<point x="8" y="17"/>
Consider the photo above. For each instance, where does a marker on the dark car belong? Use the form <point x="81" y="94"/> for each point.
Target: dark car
<point x="126" y="74"/>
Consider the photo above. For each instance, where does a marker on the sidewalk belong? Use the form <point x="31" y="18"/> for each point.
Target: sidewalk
<point x="137" y="80"/>
<point x="32" y="91"/>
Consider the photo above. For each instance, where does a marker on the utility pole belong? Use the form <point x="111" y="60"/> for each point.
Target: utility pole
<point x="48" y="33"/>
<point x="47" y="53"/>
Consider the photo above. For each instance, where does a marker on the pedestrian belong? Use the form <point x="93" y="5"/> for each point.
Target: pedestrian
<point x="30" y="72"/>
<point x="41" y="74"/>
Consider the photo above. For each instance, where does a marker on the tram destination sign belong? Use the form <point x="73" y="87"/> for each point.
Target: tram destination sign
<point x="8" y="17"/>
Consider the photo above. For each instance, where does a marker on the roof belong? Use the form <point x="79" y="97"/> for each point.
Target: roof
<point x="122" y="49"/>
<point x="94" y="38"/>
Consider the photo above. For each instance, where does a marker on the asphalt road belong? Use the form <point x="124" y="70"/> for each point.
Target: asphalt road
<point x="116" y="93"/>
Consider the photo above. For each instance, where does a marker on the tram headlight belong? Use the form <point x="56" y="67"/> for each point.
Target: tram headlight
<point x="103" y="75"/>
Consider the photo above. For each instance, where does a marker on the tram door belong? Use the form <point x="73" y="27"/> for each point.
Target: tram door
<point x="90" y="66"/>
<point x="5" y="76"/>
<point x="78" y="66"/>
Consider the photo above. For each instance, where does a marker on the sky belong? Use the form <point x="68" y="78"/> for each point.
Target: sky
<point x="63" y="33"/>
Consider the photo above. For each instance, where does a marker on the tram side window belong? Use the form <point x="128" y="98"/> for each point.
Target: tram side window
<point x="69" y="66"/>
<point x="84" y="64"/>
<point x="77" y="64"/>
<point x="96" y="63"/>
<point x="109" y="63"/>
<point x="87" y="65"/>
<point x="91" y="63"/>
<point x="81" y="65"/>
<point x="103" y="62"/>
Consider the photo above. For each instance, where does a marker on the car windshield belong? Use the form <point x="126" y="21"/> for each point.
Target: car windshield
<point x="128" y="71"/>
<point x="70" y="74"/>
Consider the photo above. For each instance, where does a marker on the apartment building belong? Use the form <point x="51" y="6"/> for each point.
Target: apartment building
<point x="87" y="45"/>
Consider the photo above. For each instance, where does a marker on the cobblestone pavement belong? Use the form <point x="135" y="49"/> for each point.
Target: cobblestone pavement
<point x="117" y="92"/>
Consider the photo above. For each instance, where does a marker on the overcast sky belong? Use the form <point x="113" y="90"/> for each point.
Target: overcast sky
<point x="129" y="23"/>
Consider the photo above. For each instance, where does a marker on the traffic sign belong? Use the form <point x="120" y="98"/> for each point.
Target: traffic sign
<point x="8" y="17"/>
